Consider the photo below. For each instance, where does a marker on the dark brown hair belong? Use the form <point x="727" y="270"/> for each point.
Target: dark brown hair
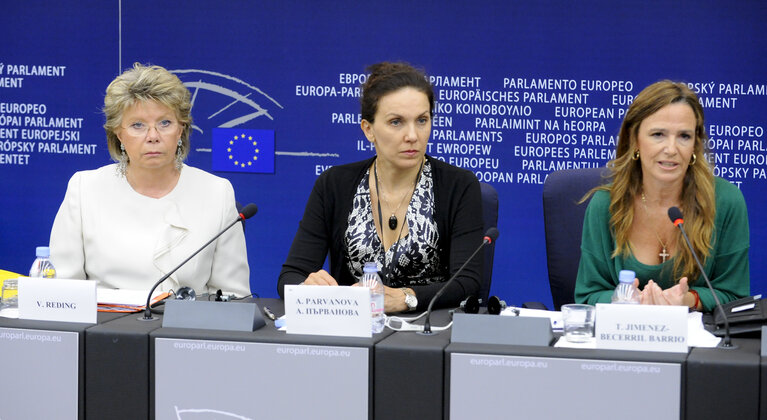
<point x="387" y="77"/>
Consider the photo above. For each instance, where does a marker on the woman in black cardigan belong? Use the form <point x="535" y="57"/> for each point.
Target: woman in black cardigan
<point x="357" y="211"/>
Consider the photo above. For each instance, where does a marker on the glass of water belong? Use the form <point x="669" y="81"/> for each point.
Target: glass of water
<point x="579" y="322"/>
<point x="10" y="294"/>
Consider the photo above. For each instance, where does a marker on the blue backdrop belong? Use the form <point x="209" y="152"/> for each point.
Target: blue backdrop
<point x="524" y="88"/>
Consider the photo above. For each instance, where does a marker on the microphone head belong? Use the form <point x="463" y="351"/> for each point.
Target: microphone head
<point x="249" y="211"/>
<point x="491" y="235"/>
<point x="495" y="305"/>
<point x="470" y="305"/>
<point x="675" y="215"/>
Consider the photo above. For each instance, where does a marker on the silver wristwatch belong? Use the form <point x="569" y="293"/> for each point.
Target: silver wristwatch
<point x="410" y="300"/>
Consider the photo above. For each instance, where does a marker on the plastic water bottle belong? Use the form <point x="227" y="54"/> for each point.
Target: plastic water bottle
<point x="43" y="267"/>
<point x="626" y="292"/>
<point x="372" y="280"/>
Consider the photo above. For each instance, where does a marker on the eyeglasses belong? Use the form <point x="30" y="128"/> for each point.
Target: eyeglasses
<point x="140" y="128"/>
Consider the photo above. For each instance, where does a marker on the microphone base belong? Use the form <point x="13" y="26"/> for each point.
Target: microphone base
<point x="142" y="318"/>
<point x="724" y="346"/>
<point x="427" y="332"/>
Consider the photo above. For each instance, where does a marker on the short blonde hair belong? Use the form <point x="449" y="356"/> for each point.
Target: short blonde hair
<point x="144" y="83"/>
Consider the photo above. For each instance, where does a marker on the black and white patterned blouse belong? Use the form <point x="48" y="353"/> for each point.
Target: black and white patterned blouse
<point x="417" y="256"/>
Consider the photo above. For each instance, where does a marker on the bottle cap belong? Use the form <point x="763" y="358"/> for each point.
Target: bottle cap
<point x="626" y="276"/>
<point x="370" y="267"/>
<point x="43" y="251"/>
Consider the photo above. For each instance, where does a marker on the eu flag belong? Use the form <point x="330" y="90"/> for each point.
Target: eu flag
<point x="238" y="150"/>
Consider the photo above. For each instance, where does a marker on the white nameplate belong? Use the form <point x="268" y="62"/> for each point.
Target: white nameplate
<point x="641" y="327"/>
<point x="57" y="300"/>
<point x="328" y="310"/>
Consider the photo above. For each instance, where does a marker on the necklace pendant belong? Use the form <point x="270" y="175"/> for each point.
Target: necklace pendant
<point x="663" y="255"/>
<point x="393" y="222"/>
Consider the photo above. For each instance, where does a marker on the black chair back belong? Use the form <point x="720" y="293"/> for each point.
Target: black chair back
<point x="563" y="221"/>
<point x="490" y="219"/>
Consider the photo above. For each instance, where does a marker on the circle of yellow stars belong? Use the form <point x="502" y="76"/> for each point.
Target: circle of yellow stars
<point x="236" y="162"/>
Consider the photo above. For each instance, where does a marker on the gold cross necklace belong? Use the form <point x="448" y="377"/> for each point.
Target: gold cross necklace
<point x="664" y="253"/>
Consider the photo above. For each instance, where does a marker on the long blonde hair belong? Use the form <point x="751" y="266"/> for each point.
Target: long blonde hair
<point x="697" y="198"/>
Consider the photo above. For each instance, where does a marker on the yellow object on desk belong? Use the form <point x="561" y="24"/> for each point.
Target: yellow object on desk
<point x="4" y="275"/>
<point x="10" y="290"/>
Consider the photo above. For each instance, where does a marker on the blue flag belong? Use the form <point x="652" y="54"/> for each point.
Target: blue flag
<point x="238" y="150"/>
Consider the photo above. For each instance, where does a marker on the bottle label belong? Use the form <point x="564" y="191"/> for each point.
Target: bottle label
<point x="376" y="305"/>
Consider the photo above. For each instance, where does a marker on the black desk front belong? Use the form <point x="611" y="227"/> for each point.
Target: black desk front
<point x="117" y="378"/>
<point x="763" y="393"/>
<point x="724" y="383"/>
<point x="409" y="373"/>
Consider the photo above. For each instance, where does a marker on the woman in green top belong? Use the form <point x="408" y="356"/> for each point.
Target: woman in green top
<point x="662" y="160"/>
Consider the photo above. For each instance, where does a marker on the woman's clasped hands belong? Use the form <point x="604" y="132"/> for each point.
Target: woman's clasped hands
<point x="653" y="294"/>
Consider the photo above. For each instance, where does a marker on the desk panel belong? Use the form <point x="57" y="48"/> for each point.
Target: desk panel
<point x="724" y="383"/>
<point x="538" y="387"/>
<point x="39" y="365"/>
<point x="259" y="380"/>
<point x="545" y="382"/>
<point x="43" y="361"/>
<point x="291" y="376"/>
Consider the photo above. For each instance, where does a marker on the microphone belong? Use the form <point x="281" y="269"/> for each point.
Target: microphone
<point x="490" y="236"/>
<point x="676" y="218"/>
<point x="247" y="212"/>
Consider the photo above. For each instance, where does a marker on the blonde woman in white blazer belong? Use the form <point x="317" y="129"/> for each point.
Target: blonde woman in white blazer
<point x="129" y="223"/>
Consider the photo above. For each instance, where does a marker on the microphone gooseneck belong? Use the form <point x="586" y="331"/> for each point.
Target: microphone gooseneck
<point x="247" y="212"/>
<point x="676" y="218"/>
<point x="490" y="236"/>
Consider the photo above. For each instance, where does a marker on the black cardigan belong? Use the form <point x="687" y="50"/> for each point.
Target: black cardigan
<point x="458" y="213"/>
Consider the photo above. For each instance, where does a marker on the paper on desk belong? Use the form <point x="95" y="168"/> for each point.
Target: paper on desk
<point x="554" y="316"/>
<point x="125" y="300"/>
<point x="697" y="336"/>
<point x="9" y="312"/>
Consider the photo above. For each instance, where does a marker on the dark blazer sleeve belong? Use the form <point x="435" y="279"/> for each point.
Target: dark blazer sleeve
<point x="310" y="245"/>
<point x="460" y="209"/>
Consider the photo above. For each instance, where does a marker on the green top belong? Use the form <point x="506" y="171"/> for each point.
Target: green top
<point x="727" y="266"/>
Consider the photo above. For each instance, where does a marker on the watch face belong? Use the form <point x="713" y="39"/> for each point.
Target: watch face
<point x="411" y="301"/>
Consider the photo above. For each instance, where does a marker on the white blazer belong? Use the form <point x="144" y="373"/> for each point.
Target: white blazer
<point x="106" y="231"/>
